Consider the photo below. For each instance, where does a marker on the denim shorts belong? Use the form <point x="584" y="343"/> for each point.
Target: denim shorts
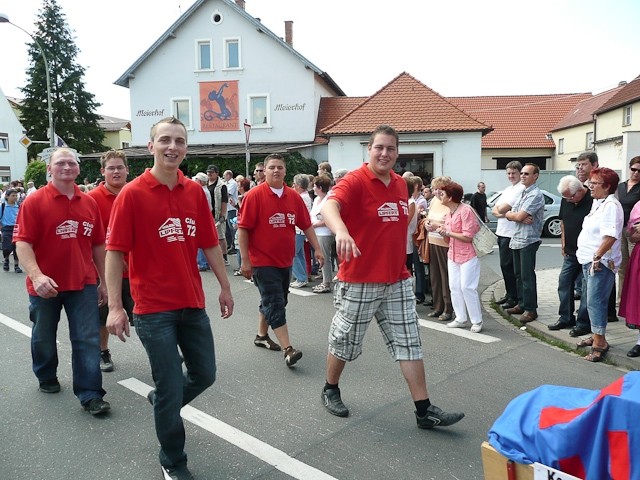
<point x="273" y="285"/>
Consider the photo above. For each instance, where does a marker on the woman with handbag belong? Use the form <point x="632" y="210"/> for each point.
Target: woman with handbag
<point x="460" y="226"/>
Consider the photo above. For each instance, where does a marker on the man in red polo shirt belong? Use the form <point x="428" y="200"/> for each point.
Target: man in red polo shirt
<point x="161" y="219"/>
<point x="60" y="241"/>
<point x="270" y="212"/>
<point x="114" y="167"/>
<point x="368" y="212"/>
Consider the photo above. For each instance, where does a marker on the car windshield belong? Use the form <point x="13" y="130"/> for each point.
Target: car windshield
<point x="492" y="199"/>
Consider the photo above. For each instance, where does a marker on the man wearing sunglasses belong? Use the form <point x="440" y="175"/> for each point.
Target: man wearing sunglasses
<point x="527" y="213"/>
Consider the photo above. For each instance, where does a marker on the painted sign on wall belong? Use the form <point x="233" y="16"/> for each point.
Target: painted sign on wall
<point x="219" y="106"/>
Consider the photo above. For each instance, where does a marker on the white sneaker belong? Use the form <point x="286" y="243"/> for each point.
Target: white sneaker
<point x="476" y="327"/>
<point x="457" y="324"/>
<point x="298" y="284"/>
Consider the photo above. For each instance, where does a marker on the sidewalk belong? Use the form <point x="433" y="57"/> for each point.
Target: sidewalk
<point x="619" y="336"/>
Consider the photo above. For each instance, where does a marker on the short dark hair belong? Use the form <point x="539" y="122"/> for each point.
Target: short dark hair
<point x="274" y="156"/>
<point x="591" y="156"/>
<point x="633" y="161"/>
<point x="384" y="130"/>
<point x="213" y="168"/>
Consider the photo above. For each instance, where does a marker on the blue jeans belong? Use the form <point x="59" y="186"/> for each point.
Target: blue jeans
<point x="524" y="263"/>
<point x="506" y="265"/>
<point x="299" y="261"/>
<point x="273" y="285"/>
<point x="570" y="275"/>
<point x="418" y="270"/>
<point x="598" y="289"/>
<point x="202" y="260"/>
<point x="81" y="307"/>
<point x="161" y="333"/>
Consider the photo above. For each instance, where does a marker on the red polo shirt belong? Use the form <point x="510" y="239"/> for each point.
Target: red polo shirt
<point x="62" y="233"/>
<point x="271" y="221"/>
<point x="377" y="217"/>
<point x="162" y="230"/>
<point x="104" y="198"/>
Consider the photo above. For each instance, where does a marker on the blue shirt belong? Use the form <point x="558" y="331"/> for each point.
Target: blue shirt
<point x="9" y="215"/>
<point x="532" y="202"/>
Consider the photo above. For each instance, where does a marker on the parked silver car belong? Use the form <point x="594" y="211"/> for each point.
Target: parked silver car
<point x="551" y="226"/>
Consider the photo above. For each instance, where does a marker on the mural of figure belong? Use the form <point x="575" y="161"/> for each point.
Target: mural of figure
<point x="217" y="97"/>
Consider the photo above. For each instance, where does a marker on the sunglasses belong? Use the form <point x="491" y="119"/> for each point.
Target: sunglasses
<point x="634" y="170"/>
<point x="258" y="171"/>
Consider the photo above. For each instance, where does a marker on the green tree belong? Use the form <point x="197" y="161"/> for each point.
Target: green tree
<point x="73" y="107"/>
<point x="36" y="171"/>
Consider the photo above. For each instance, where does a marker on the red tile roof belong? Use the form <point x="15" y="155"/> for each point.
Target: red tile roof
<point x="520" y="121"/>
<point x="627" y="94"/>
<point x="333" y="109"/>
<point x="583" y="111"/>
<point x="409" y="106"/>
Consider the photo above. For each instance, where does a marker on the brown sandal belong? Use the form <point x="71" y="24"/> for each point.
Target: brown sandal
<point x="597" y="354"/>
<point x="586" y="342"/>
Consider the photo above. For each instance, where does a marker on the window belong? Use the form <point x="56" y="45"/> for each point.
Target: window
<point x="589" y="144"/>
<point x="626" y="116"/>
<point x="4" y="142"/>
<point x="561" y="145"/>
<point x="5" y="174"/>
<point x="232" y="53"/>
<point x="259" y="111"/>
<point x="125" y="145"/>
<point x="204" y="57"/>
<point x="181" y="108"/>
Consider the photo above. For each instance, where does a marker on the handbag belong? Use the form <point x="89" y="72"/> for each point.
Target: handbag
<point x="485" y="239"/>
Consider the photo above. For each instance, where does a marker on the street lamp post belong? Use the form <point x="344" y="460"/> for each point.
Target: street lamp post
<point x="52" y="136"/>
<point x="247" y="132"/>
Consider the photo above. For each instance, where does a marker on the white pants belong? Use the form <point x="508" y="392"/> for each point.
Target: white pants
<point x="463" y="283"/>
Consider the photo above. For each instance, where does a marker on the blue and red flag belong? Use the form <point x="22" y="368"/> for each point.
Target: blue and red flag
<point x="590" y="434"/>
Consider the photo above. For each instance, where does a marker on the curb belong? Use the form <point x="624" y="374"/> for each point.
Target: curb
<point x="616" y="356"/>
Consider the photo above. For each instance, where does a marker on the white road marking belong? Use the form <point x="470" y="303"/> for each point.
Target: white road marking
<point x="296" y="291"/>
<point x="460" y="332"/>
<point x="17" y="326"/>
<point x="265" y="452"/>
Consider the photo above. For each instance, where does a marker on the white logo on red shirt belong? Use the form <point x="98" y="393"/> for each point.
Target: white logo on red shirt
<point x="67" y="229"/>
<point x="172" y="230"/>
<point x="291" y="217"/>
<point x="277" y="220"/>
<point x="389" y="212"/>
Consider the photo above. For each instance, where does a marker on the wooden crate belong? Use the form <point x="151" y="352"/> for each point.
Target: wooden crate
<point x="495" y="466"/>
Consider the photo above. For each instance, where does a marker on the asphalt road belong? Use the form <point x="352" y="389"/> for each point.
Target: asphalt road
<point x="263" y="420"/>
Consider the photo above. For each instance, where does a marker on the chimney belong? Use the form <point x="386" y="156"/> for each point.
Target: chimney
<point x="240" y="3"/>
<point x="288" y="32"/>
<point x="622" y="83"/>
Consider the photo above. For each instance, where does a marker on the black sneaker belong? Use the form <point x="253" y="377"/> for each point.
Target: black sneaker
<point x="96" y="406"/>
<point x="437" y="418"/>
<point x="5" y="265"/>
<point x="333" y="403"/>
<point x="151" y="396"/>
<point x="106" y="364"/>
<point x="266" y="342"/>
<point x="176" y="473"/>
<point x="291" y="356"/>
<point x="17" y="269"/>
<point x="50" y="386"/>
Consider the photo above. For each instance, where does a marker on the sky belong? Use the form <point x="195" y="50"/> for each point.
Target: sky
<point x="455" y="47"/>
